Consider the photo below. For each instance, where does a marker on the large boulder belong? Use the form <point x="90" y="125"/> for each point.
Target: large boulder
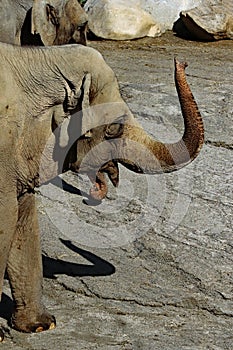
<point x="130" y="19"/>
<point x="120" y="19"/>
<point x="211" y="20"/>
<point x="166" y="12"/>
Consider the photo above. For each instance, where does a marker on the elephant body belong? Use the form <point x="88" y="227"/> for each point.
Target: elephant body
<point x="40" y="22"/>
<point x="61" y="109"/>
<point x="39" y="91"/>
<point x="53" y="22"/>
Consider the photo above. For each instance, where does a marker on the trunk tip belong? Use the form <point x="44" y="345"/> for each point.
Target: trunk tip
<point x="180" y="65"/>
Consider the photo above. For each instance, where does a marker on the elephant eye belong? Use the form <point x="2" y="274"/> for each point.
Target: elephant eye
<point x="114" y="130"/>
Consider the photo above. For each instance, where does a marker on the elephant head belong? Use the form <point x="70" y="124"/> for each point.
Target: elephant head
<point x="123" y="139"/>
<point x="102" y="130"/>
<point x="59" y="21"/>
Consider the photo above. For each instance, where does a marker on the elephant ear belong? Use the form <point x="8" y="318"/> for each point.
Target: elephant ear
<point x="88" y="118"/>
<point x="45" y="19"/>
<point x="76" y="98"/>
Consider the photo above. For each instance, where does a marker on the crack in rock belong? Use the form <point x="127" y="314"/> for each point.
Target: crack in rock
<point x="90" y="293"/>
<point x="219" y="144"/>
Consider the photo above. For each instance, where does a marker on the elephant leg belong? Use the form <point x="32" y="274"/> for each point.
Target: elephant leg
<point x="25" y="271"/>
<point x="8" y="222"/>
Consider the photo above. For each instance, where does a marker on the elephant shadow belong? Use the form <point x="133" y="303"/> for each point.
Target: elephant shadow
<point x="99" y="267"/>
<point x="74" y="190"/>
<point x="53" y="267"/>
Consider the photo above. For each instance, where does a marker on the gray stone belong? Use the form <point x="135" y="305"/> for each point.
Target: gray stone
<point x="211" y="20"/>
<point x="120" y="20"/>
<point x="166" y="12"/>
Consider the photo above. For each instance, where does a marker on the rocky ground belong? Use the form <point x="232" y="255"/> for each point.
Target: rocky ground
<point x="151" y="267"/>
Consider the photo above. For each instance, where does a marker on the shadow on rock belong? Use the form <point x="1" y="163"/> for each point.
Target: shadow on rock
<point x="58" y="182"/>
<point x="74" y="190"/>
<point x="99" y="267"/>
<point x="53" y="267"/>
<point x="189" y="30"/>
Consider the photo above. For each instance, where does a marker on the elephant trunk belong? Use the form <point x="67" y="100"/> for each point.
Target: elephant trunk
<point x="140" y="153"/>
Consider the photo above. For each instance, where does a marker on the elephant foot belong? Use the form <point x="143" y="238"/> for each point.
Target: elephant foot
<point x="38" y="324"/>
<point x="1" y="335"/>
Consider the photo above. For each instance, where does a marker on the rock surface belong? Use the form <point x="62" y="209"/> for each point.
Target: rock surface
<point x="165" y="282"/>
<point x="166" y="12"/>
<point x="120" y="20"/>
<point x="211" y="20"/>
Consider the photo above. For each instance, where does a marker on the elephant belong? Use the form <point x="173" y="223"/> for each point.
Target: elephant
<point x="36" y="22"/>
<point x="40" y="22"/>
<point x="61" y="109"/>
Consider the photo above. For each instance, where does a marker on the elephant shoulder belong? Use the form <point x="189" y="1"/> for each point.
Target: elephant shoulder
<point x="90" y="59"/>
<point x="89" y="53"/>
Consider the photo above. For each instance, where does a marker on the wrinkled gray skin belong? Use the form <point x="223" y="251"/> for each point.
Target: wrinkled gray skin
<point x="53" y="22"/>
<point x="42" y="93"/>
<point x="41" y="22"/>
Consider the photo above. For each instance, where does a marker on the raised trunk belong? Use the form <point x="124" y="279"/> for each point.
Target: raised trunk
<point x="141" y="153"/>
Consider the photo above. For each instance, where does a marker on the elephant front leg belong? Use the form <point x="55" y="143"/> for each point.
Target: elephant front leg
<point x="25" y="271"/>
<point x="8" y="220"/>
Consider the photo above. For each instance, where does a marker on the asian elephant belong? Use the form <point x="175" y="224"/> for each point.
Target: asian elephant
<point x="40" y="22"/>
<point x="50" y="97"/>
